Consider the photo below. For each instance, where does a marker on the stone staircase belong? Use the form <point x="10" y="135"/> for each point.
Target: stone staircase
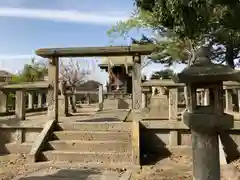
<point x="98" y="143"/>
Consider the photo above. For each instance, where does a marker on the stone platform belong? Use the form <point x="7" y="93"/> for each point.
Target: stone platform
<point x="38" y="119"/>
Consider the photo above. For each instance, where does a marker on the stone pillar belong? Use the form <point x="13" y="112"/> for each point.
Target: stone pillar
<point x="52" y="99"/>
<point x="136" y="137"/>
<point x="137" y="80"/>
<point x="206" y="156"/>
<point x="205" y="127"/>
<point x="20" y="109"/>
<point x="173" y="110"/>
<point x="144" y="100"/>
<point x="63" y="105"/>
<point x="3" y="102"/>
<point x="63" y="100"/>
<point x="229" y="100"/>
<point x="40" y="98"/>
<point x="74" y="98"/>
<point x="30" y="100"/>
<point x="88" y="99"/>
<point x="100" y="98"/>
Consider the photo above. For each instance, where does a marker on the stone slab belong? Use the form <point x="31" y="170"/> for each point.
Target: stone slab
<point x="107" y="116"/>
<point x="75" y="174"/>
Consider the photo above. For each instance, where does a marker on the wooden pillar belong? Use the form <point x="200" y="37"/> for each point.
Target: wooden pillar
<point x="52" y="100"/>
<point x="229" y="100"/>
<point x="40" y="99"/>
<point x="100" y="97"/>
<point x="30" y="100"/>
<point x="3" y="102"/>
<point x="173" y="110"/>
<point x="136" y="82"/>
<point x="20" y="104"/>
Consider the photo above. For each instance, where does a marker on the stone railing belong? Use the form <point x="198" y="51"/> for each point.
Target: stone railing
<point x="161" y="133"/>
<point x="202" y="94"/>
<point x="24" y="98"/>
<point x="65" y="94"/>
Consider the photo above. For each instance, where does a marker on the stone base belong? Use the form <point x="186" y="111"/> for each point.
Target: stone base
<point x="62" y="109"/>
<point x="159" y="107"/>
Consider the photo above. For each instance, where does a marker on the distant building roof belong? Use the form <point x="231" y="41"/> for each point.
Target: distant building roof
<point x="4" y="73"/>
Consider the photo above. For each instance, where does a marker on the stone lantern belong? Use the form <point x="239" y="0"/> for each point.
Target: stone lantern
<point x="206" y="121"/>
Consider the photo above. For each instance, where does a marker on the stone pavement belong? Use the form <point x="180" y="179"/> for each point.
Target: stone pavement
<point x="54" y="173"/>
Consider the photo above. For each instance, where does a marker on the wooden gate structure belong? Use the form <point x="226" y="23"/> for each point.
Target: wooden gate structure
<point x="53" y="54"/>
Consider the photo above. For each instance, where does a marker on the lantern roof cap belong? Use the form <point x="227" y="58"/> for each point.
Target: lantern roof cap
<point x="204" y="71"/>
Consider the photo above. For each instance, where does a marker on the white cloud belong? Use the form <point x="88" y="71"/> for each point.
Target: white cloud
<point x="19" y="56"/>
<point x="100" y="18"/>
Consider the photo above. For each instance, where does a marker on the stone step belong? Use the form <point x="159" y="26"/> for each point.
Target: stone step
<point x="91" y="146"/>
<point x="92" y="135"/>
<point x="14" y="148"/>
<point x="86" y="157"/>
<point x="73" y="174"/>
<point x="96" y="126"/>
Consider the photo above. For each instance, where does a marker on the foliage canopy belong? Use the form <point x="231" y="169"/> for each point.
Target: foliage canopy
<point x="180" y="27"/>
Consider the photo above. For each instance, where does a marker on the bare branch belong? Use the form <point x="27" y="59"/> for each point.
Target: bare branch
<point x="73" y="73"/>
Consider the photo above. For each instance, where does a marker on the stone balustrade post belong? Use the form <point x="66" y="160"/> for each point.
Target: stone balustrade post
<point x="144" y="100"/>
<point x="30" y="100"/>
<point x="202" y="97"/>
<point x="88" y="99"/>
<point x="173" y="110"/>
<point x="229" y="100"/>
<point x="198" y="97"/>
<point x="100" y="98"/>
<point x="20" y="109"/>
<point x="3" y="102"/>
<point x="40" y="99"/>
<point x="63" y="100"/>
<point x="206" y="97"/>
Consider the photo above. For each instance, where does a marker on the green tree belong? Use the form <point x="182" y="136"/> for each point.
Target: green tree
<point x="163" y="74"/>
<point x="183" y="26"/>
<point x="31" y="72"/>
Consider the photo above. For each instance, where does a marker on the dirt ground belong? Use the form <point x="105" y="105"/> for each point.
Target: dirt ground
<point x="179" y="167"/>
<point x="175" y="167"/>
<point x="13" y="165"/>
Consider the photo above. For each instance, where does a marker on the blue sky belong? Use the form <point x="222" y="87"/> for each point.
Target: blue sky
<point x="27" y="25"/>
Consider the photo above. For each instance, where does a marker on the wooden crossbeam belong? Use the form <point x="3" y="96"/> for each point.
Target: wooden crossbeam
<point x="96" y="51"/>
